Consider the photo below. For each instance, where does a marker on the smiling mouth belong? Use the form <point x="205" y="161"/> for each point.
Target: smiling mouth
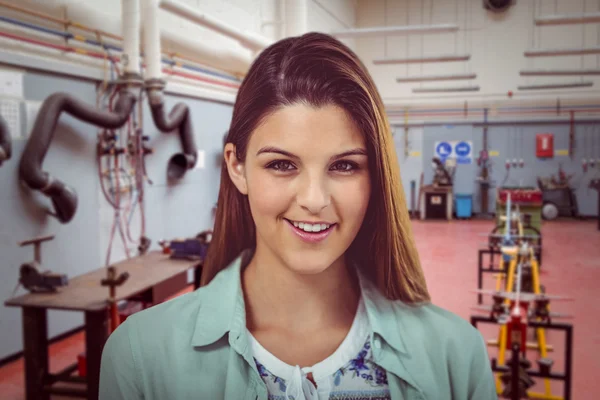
<point x="317" y="233"/>
<point x="310" y="228"/>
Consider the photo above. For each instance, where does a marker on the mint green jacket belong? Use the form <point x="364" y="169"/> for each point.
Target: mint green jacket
<point x="195" y="347"/>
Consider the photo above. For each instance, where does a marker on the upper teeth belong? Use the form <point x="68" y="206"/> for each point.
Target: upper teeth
<point x="311" y="227"/>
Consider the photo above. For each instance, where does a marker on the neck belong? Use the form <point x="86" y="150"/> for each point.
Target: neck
<point x="277" y="296"/>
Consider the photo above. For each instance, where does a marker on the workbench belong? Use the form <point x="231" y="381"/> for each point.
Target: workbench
<point x="152" y="278"/>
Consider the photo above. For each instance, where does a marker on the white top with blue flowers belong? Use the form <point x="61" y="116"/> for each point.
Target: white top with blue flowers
<point x="348" y="374"/>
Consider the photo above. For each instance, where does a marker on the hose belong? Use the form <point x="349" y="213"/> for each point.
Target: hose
<point x="179" y="118"/>
<point x="5" y="141"/>
<point x="64" y="198"/>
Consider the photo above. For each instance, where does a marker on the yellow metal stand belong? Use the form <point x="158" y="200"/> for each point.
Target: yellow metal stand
<point x="512" y="252"/>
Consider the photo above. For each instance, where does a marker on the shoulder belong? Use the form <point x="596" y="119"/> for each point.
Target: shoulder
<point x="177" y="314"/>
<point x="435" y="327"/>
<point x="432" y="318"/>
<point x="445" y="346"/>
<point x="167" y="324"/>
<point x="152" y="352"/>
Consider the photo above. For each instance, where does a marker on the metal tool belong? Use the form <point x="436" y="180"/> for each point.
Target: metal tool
<point x="31" y="276"/>
<point x="112" y="282"/>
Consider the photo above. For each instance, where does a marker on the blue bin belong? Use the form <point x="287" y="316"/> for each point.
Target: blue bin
<point x="464" y="205"/>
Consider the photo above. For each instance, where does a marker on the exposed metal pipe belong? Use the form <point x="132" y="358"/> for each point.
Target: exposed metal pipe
<point x="562" y="52"/>
<point x="474" y="88"/>
<point x="59" y="21"/>
<point x="71" y="36"/>
<point x="559" y="72"/>
<point x="5" y="141"/>
<point x="246" y="39"/>
<point x="296" y="17"/>
<point x="130" y="25"/>
<point x="569" y="19"/>
<point x="223" y="59"/>
<point x="432" y="78"/>
<point x="565" y="85"/>
<point x="424" y="59"/>
<point x="180" y="117"/>
<point x="400" y="124"/>
<point x="64" y="198"/>
<point x="395" y="30"/>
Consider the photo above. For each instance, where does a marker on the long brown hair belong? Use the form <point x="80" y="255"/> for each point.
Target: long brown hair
<point x="319" y="70"/>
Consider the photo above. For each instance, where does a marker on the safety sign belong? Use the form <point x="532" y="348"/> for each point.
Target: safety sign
<point x="461" y="150"/>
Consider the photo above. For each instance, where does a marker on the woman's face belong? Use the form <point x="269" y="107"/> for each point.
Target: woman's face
<point x="307" y="180"/>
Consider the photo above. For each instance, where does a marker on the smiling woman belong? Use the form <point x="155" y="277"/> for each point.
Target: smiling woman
<point x="312" y="287"/>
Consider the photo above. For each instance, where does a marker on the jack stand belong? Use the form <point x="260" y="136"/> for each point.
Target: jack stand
<point x="517" y="381"/>
<point x="31" y="276"/>
<point x="112" y="282"/>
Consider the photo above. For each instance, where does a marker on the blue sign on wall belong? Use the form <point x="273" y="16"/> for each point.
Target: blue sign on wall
<point x="443" y="150"/>
<point x="463" y="149"/>
<point x="463" y="152"/>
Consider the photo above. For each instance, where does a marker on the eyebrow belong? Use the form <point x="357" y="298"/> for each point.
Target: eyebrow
<point x="354" y="152"/>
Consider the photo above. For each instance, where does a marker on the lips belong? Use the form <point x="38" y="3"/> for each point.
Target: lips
<point x="310" y="237"/>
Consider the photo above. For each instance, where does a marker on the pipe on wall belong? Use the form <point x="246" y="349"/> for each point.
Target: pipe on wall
<point x="517" y="122"/>
<point x="130" y="22"/>
<point x="180" y="117"/>
<point x="5" y="141"/>
<point x="234" y="60"/>
<point x="247" y="39"/>
<point x="64" y="198"/>
<point x="296" y="17"/>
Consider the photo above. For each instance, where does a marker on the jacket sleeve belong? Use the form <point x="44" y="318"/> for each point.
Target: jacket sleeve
<point x="119" y="377"/>
<point x="482" y="385"/>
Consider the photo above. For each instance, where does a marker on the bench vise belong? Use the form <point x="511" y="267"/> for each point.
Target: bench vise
<point x="32" y="277"/>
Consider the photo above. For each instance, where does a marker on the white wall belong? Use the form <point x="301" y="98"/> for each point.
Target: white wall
<point x="496" y="43"/>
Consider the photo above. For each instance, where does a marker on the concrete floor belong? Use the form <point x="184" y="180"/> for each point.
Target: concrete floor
<point x="448" y="250"/>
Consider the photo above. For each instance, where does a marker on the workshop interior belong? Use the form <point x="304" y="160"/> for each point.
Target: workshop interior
<point x="113" y="118"/>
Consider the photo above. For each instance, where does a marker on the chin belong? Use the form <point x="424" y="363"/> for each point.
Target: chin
<point x="305" y="263"/>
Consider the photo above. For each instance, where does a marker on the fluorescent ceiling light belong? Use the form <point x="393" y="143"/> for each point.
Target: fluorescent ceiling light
<point x="566" y="85"/>
<point x="567" y="19"/>
<point x="431" y="78"/>
<point x="562" y="52"/>
<point x="395" y="30"/>
<point x="425" y="59"/>
<point x="560" y="72"/>
<point x="446" y="89"/>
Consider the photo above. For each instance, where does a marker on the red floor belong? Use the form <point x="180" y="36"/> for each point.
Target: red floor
<point x="448" y="250"/>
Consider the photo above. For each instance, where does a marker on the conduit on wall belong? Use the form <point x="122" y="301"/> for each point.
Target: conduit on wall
<point x="179" y="118"/>
<point x="63" y="197"/>
<point x="5" y="141"/>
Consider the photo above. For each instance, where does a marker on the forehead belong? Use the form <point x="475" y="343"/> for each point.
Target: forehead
<point x="300" y="127"/>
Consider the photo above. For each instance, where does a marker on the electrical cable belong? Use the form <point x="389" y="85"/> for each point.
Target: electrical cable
<point x="68" y="49"/>
<point x="99" y="43"/>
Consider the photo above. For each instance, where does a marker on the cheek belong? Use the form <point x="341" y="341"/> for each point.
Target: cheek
<point x="352" y="199"/>
<point x="267" y="195"/>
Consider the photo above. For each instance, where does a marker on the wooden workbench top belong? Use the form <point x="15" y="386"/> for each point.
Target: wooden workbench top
<point x="85" y="293"/>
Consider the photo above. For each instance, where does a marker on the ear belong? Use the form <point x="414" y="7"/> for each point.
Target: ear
<point x="235" y="168"/>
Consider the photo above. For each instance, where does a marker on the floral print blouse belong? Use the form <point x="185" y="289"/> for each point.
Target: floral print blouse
<point x="348" y="374"/>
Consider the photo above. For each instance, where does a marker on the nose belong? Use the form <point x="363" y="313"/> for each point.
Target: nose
<point x="313" y="194"/>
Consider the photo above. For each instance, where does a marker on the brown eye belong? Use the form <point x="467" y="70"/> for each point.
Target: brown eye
<point x="281" y="165"/>
<point x="344" y="166"/>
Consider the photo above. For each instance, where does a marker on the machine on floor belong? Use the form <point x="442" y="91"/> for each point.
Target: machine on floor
<point x="520" y="304"/>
